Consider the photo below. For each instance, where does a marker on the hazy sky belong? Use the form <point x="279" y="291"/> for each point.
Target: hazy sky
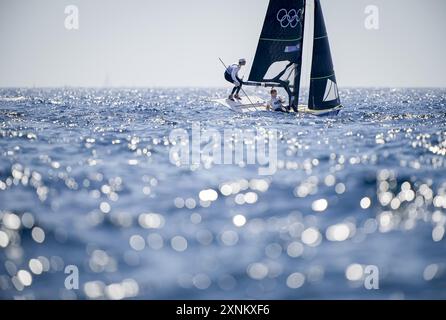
<point x="177" y="42"/>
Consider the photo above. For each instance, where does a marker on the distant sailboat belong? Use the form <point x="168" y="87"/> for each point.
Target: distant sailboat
<point x="294" y="29"/>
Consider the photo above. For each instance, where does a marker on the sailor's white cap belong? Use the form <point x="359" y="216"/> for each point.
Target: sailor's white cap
<point x="242" y="61"/>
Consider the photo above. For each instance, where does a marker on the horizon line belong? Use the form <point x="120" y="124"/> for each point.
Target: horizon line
<point x="204" y="87"/>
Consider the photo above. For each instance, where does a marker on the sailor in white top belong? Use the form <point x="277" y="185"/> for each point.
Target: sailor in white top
<point x="276" y="103"/>
<point x="231" y="75"/>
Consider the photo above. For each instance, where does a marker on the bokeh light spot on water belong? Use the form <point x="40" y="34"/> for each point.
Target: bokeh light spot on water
<point x="365" y="203"/>
<point x="354" y="272"/>
<point x="179" y="202"/>
<point x="430" y="272"/>
<point x="38" y="234"/>
<point x="4" y="239"/>
<point x="311" y="237"/>
<point x="257" y="271"/>
<point x="204" y="237"/>
<point x="137" y="242"/>
<point x="195" y="218"/>
<point x="295" y="249"/>
<point x="27" y="220"/>
<point x="438" y="233"/>
<point x="105" y="207"/>
<point x="151" y="220"/>
<point x="94" y="289"/>
<point x="239" y="220"/>
<point x="25" y="277"/>
<point x="251" y="197"/>
<point x="338" y="232"/>
<point x="179" y="243"/>
<point x="36" y="266"/>
<point x="340" y="188"/>
<point x="155" y="241"/>
<point x="11" y="221"/>
<point x="201" y="281"/>
<point x="229" y="238"/>
<point x="208" y="195"/>
<point x="295" y="280"/>
<point x="319" y="205"/>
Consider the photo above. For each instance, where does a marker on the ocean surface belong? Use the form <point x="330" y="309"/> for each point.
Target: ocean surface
<point x="92" y="207"/>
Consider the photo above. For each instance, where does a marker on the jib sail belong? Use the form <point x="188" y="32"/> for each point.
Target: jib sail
<point x="323" y="88"/>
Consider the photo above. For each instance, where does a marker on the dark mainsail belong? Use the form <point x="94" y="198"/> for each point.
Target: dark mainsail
<point x="323" y="87"/>
<point x="279" y="52"/>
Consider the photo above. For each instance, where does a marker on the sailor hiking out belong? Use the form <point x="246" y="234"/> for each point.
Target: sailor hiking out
<point x="232" y="76"/>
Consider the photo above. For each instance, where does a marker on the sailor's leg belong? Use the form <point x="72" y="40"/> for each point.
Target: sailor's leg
<point x="291" y="103"/>
<point x="237" y="90"/>
<point x="239" y="84"/>
<point x="231" y="96"/>
<point x="237" y="96"/>
<point x="229" y="79"/>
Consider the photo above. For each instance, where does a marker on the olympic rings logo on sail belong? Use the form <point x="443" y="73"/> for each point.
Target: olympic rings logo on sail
<point x="289" y="18"/>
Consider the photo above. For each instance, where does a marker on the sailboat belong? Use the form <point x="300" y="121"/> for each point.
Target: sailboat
<point x="293" y="53"/>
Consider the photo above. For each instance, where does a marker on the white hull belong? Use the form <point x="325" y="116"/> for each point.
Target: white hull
<point x="256" y="104"/>
<point x="320" y="113"/>
<point x="246" y="104"/>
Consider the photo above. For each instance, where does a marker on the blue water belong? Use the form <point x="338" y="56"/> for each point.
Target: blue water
<point x="86" y="181"/>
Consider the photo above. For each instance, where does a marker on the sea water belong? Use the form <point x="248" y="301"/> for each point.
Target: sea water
<point x="92" y="207"/>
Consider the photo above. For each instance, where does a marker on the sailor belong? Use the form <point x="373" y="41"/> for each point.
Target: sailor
<point x="276" y="103"/>
<point x="231" y="75"/>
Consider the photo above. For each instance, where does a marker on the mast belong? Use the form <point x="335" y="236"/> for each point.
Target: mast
<point x="294" y="97"/>
<point x="307" y="50"/>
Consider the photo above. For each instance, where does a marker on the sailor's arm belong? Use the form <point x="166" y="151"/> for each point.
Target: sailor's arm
<point x="235" y="77"/>
<point x="269" y="105"/>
